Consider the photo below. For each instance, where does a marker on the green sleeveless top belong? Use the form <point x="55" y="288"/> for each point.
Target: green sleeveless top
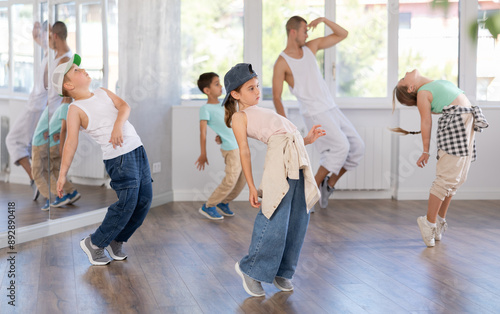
<point x="443" y="94"/>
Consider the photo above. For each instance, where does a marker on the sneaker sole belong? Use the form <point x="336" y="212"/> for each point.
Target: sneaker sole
<point x="74" y="199"/>
<point x="238" y="271"/>
<point x="89" y="255"/>
<point x="275" y="283"/>
<point x="113" y="256"/>
<point x="419" y="222"/>
<point x="224" y="213"/>
<point x="201" y="211"/>
<point x="66" y="202"/>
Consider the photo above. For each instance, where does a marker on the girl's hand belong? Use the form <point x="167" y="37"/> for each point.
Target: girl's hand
<point x="422" y="161"/>
<point x="254" y="198"/>
<point x="314" y="134"/>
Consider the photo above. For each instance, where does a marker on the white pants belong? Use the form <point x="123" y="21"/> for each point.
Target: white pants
<point x="18" y="140"/>
<point x="341" y="147"/>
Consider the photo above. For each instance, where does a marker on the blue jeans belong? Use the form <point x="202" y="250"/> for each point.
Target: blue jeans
<point x="131" y="180"/>
<point x="276" y="242"/>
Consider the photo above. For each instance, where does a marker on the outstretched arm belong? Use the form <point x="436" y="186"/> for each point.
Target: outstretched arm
<point x="278" y="80"/>
<point x="70" y="145"/>
<point x="123" y="114"/>
<point x="339" y="34"/>
<point x="239" y="125"/>
<point x="202" y="160"/>
<point x="424" y="99"/>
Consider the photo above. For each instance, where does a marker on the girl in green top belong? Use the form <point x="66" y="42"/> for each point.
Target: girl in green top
<point x="455" y="137"/>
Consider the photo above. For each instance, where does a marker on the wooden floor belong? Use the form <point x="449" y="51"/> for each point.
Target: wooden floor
<point x="360" y="256"/>
<point x="28" y="212"/>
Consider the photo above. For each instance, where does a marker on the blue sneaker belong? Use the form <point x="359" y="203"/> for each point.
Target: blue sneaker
<point x="60" y="201"/>
<point x="73" y="197"/>
<point x="210" y="212"/>
<point x="225" y="209"/>
<point x="46" y="206"/>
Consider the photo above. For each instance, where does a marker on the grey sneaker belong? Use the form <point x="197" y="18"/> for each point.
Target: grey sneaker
<point x="312" y="210"/>
<point x="283" y="284"/>
<point x="326" y="191"/>
<point x="115" y="251"/>
<point x="251" y="286"/>
<point x="440" y="229"/>
<point x="96" y="256"/>
<point x="428" y="233"/>
<point x="36" y="192"/>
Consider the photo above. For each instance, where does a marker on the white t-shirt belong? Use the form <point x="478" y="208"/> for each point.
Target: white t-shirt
<point x="102" y="115"/>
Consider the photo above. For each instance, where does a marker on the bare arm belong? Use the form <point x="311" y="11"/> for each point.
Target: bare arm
<point x="70" y="146"/>
<point x="239" y="125"/>
<point x="123" y="114"/>
<point x="200" y="163"/>
<point x="339" y="34"/>
<point x="62" y="136"/>
<point x="424" y="99"/>
<point x="278" y="80"/>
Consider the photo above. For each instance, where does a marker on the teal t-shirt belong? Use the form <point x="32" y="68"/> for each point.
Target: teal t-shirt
<point x="55" y="122"/>
<point x="214" y="115"/>
<point x="443" y="94"/>
<point x="41" y="127"/>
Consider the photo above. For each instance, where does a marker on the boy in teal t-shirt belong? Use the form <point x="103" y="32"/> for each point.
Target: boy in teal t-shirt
<point x="212" y="114"/>
<point x="45" y="147"/>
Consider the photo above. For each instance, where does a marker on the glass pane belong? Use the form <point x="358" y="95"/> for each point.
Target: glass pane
<point x="211" y="40"/>
<point x="275" y="15"/>
<point x="22" y="18"/>
<point x="488" y="55"/>
<point x="361" y="63"/>
<point x="92" y="42"/>
<point x="66" y="13"/>
<point x="112" y="44"/>
<point x="428" y="40"/>
<point x="4" y="49"/>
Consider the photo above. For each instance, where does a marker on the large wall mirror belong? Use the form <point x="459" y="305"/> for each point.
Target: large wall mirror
<point x="34" y="36"/>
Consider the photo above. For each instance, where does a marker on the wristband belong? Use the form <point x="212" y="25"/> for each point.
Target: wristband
<point x="426" y="153"/>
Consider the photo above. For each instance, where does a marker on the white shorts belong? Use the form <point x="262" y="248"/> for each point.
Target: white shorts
<point x="341" y="147"/>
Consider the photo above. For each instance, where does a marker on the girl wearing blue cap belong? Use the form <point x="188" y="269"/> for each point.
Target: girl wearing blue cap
<point x="288" y="189"/>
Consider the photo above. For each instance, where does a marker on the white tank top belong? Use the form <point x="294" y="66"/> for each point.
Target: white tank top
<point x="54" y="100"/>
<point x="310" y="88"/>
<point x="102" y="114"/>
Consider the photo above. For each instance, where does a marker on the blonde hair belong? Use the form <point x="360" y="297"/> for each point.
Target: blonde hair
<point x="407" y="99"/>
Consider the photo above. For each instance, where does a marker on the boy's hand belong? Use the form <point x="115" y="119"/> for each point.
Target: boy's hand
<point x="314" y="134"/>
<point x="116" y="137"/>
<point x="254" y="198"/>
<point x="56" y="137"/>
<point x="218" y="140"/>
<point x="200" y="163"/>
<point x="46" y="135"/>
<point x="60" y="183"/>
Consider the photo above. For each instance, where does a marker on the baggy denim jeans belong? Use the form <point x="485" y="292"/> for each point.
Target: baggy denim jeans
<point x="131" y="179"/>
<point x="276" y="242"/>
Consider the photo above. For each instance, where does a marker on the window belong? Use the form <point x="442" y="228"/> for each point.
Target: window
<point x="91" y="39"/>
<point x="488" y="55"/>
<point x="22" y="18"/>
<point x="361" y="62"/>
<point x="431" y="43"/>
<point x="211" y="40"/>
<point x="4" y="48"/>
<point x="275" y="14"/>
<point x="112" y="45"/>
<point x="66" y="13"/>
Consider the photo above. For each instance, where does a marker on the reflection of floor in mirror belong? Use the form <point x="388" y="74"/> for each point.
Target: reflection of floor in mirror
<point x="28" y="212"/>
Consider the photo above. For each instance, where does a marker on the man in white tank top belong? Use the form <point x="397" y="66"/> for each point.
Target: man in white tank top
<point x="342" y="148"/>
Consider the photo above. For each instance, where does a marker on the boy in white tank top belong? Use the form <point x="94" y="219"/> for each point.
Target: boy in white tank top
<point x="104" y="116"/>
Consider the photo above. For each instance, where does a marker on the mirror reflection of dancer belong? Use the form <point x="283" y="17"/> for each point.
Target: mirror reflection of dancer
<point x="455" y="140"/>
<point x="342" y="148"/>
<point x="288" y="189"/>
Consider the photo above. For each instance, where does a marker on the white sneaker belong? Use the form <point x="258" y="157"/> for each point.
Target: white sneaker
<point x="428" y="233"/>
<point x="440" y="229"/>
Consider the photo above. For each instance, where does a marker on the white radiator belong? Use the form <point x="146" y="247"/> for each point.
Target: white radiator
<point x="87" y="162"/>
<point x="4" y="154"/>
<point x="372" y="172"/>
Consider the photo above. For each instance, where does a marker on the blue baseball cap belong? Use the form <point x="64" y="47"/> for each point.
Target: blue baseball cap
<point x="237" y="76"/>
